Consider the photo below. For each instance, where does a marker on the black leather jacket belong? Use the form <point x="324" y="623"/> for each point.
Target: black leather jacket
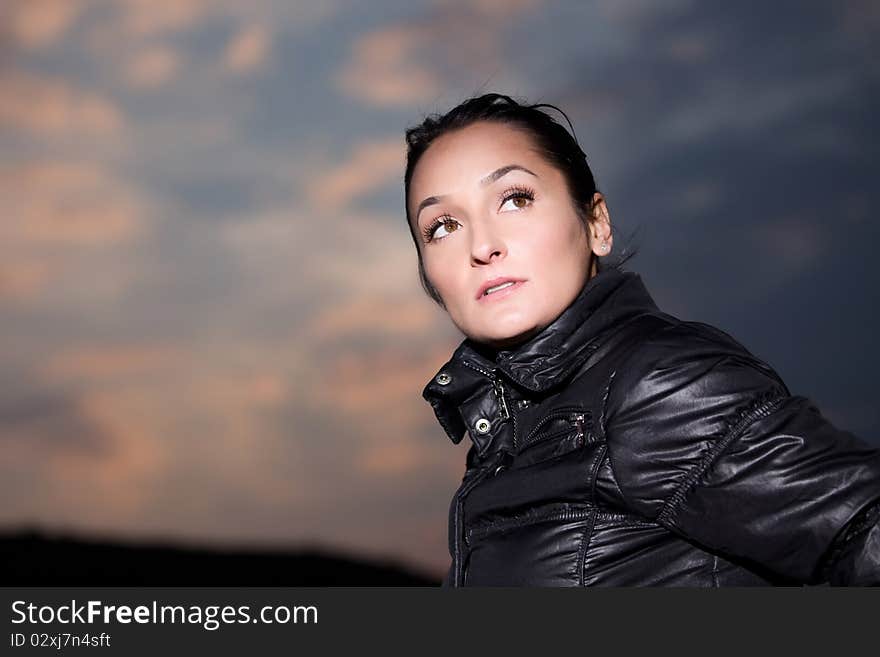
<point x="622" y="446"/>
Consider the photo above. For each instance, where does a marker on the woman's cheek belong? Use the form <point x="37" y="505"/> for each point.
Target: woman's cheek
<point x="446" y="281"/>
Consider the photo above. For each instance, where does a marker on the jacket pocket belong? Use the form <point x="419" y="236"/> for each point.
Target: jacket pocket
<point x="559" y="432"/>
<point x="505" y="523"/>
<point x="541" y="546"/>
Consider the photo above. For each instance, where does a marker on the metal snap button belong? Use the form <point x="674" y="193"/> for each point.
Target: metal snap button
<point x="443" y="378"/>
<point x="500" y="468"/>
<point x="483" y="425"/>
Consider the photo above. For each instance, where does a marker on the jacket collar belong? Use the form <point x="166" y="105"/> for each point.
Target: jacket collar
<point x="546" y="359"/>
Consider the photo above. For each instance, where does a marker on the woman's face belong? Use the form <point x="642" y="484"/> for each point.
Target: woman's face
<point x="489" y="209"/>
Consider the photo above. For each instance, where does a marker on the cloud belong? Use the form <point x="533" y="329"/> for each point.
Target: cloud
<point x="145" y="18"/>
<point x="90" y="222"/>
<point x="68" y="203"/>
<point x="247" y="50"/>
<point x="22" y="279"/>
<point x="636" y="12"/>
<point x="407" y="316"/>
<point x="369" y="167"/>
<point x="688" y="47"/>
<point x="360" y="381"/>
<point x="99" y="363"/>
<point x="82" y="456"/>
<point x="65" y="230"/>
<point x="415" y="61"/>
<point x="120" y="483"/>
<point x="246" y="391"/>
<point x="796" y="241"/>
<point x="384" y="70"/>
<point x="36" y="24"/>
<point x="719" y="110"/>
<point x="367" y="337"/>
<point x="51" y="107"/>
<point x="860" y="20"/>
<point x="153" y="67"/>
<point x="302" y="257"/>
<point x="486" y="8"/>
<point x="141" y="426"/>
<point x="394" y="457"/>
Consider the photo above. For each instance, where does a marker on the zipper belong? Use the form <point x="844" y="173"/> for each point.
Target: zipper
<point x="575" y="416"/>
<point x="502" y="401"/>
<point x="566" y="514"/>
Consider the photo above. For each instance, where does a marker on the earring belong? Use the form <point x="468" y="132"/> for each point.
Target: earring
<point x="604" y="246"/>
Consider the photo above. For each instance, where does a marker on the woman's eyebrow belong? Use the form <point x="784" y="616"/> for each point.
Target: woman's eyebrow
<point x="503" y="171"/>
<point x="492" y="177"/>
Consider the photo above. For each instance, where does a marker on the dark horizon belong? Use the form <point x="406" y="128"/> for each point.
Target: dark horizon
<point x="40" y="557"/>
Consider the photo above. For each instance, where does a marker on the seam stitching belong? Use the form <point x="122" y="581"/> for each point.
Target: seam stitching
<point x="762" y="406"/>
<point x="586" y="540"/>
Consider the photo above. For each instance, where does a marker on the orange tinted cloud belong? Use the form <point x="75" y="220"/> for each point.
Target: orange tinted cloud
<point x="88" y="460"/>
<point x="52" y="107"/>
<point x="247" y="50"/>
<point x="120" y="482"/>
<point x="371" y="165"/>
<point x="414" y="62"/>
<point x="394" y="457"/>
<point x="153" y="67"/>
<point x="496" y="8"/>
<point x="385" y="378"/>
<point x="144" y="414"/>
<point x="87" y="223"/>
<point x="379" y="391"/>
<point x="382" y="316"/>
<point x="144" y="18"/>
<point x="67" y="203"/>
<point x="384" y="68"/>
<point x="22" y="279"/>
<point x="373" y="386"/>
<point x="40" y="23"/>
<point x="113" y="362"/>
<point x="241" y="391"/>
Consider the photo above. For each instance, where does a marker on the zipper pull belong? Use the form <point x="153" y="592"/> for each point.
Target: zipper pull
<point x="579" y="422"/>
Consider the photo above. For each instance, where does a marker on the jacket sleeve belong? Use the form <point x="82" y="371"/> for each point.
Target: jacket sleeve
<point x="705" y="439"/>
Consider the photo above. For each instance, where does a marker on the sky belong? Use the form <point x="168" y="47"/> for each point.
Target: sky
<point x="211" y="322"/>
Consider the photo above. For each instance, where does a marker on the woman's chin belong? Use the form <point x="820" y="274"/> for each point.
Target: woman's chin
<point x="507" y="339"/>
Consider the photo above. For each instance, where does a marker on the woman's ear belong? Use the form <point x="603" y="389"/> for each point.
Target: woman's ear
<point x="600" y="226"/>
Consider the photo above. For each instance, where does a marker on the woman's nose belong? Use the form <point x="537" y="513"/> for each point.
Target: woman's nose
<point x="486" y="243"/>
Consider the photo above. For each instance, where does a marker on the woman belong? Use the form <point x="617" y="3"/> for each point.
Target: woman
<point x="611" y="443"/>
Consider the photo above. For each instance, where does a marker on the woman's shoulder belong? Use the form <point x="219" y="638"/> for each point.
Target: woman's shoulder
<point x="677" y="350"/>
<point x="675" y="398"/>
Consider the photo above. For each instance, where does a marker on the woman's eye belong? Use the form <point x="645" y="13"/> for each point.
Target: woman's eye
<point x="518" y="201"/>
<point x="444" y="228"/>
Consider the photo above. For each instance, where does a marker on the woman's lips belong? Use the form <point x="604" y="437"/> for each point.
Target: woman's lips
<point x="501" y="294"/>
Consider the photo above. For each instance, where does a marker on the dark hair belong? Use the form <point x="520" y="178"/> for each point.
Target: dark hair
<point x="558" y="146"/>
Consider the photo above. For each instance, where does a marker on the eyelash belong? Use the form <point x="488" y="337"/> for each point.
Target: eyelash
<point x="516" y="191"/>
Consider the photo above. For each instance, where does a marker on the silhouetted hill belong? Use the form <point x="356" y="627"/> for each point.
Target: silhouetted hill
<point x="31" y="558"/>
